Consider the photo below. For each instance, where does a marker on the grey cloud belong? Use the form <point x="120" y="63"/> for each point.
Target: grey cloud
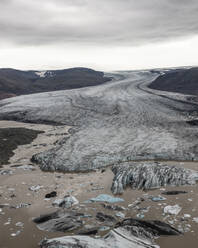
<point x="122" y="22"/>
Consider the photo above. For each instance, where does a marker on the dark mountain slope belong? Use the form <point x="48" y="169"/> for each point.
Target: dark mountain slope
<point x="182" y="81"/>
<point x="16" y="82"/>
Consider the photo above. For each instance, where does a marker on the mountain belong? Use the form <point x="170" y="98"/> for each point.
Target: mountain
<point x="15" y="82"/>
<point x="182" y="81"/>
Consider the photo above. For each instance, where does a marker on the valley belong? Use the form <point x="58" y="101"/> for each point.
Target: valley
<point x="90" y="143"/>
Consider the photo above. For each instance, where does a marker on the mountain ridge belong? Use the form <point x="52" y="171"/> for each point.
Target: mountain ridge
<point x="14" y="82"/>
<point x="183" y="81"/>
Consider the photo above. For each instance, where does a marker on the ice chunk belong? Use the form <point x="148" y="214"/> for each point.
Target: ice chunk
<point x="120" y="215"/>
<point x="158" y="198"/>
<point x="66" y="202"/>
<point x="15" y="234"/>
<point x="6" y="172"/>
<point x="19" y="224"/>
<point x="105" y="198"/>
<point x="195" y="219"/>
<point x="187" y="215"/>
<point x="35" y="187"/>
<point x="172" y="209"/>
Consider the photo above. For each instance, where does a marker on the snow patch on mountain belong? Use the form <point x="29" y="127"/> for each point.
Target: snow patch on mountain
<point x="41" y="73"/>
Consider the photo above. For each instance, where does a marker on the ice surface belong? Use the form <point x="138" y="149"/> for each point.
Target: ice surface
<point x="150" y="175"/>
<point x="106" y="198"/>
<point x="172" y="209"/>
<point x="118" y="121"/>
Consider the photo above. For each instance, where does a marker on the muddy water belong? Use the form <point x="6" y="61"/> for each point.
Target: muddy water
<point x="14" y="189"/>
<point x="21" y="181"/>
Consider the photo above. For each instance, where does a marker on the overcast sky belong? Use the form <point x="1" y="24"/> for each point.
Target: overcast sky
<point x="101" y="34"/>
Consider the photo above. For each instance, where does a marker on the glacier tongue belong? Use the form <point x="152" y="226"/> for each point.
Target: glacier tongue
<point x="150" y="175"/>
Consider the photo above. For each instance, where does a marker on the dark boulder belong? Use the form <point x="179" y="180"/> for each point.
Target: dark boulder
<point x="174" y="192"/>
<point x="50" y="195"/>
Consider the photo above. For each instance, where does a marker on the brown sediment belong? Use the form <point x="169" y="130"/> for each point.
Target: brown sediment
<point x="47" y="136"/>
